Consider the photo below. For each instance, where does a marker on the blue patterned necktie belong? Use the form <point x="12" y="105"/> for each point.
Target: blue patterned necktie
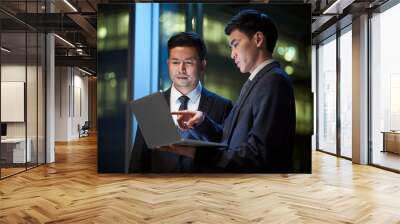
<point x="184" y="102"/>
<point x="184" y="106"/>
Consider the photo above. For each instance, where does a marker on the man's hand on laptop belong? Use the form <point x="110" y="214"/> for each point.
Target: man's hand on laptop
<point x="178" y="149"/>
<point x="188" y="119"/>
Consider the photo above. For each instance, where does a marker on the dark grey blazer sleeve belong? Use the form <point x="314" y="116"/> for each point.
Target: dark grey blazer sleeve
<point x="270" y="138"/>
<point x="216" y="110"/>
<point x="263" y="134"/>
<point x="211" y="129"/>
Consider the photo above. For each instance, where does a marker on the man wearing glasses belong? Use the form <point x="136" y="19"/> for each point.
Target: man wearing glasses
<point x="186" y="64"/>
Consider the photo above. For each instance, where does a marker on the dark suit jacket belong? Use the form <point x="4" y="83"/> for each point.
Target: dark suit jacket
<point x="144" y="159"/>
<point x="259" y="131"/>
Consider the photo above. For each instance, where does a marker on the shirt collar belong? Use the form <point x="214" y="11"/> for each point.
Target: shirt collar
<point x="196" y="92"/>
<point x="259" y="67"/>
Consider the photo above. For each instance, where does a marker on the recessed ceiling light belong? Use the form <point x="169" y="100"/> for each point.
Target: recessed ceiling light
<point x="64" y="40"/>
<point x="84" y="71"/>
<point x="5" y="49"/>
<point x="70" y="5"/>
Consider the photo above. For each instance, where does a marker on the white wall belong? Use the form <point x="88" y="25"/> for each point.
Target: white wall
<point x="13" y="72"/>
<point x="71" y="94"/>
<point x="80" y="110"/>
<point x="62" y="81"/>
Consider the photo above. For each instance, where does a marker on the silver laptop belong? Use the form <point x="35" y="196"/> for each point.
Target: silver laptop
<point x="158" y="128"/>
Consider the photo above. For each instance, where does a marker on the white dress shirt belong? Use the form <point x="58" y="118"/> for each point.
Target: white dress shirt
<point x="193" y="103"/>
<point x="259" y="67"/>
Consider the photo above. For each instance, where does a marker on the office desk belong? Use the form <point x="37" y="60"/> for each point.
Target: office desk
<point x="13" y="150"/>
<point x="391" y="141"/>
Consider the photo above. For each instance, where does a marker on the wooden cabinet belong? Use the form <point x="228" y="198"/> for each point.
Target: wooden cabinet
<point x="391" y="142"/>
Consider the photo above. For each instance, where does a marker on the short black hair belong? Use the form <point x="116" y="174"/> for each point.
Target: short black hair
<point x="249" y="22"/>
<point x="188" y="39"/>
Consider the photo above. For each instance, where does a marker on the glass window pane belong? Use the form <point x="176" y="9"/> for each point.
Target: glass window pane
<point x="41" y="98"/>
<point x="172" y="21"/>
<point x="13" y="86"/>
<point x="215" y="18"/>
<point x="385" y="84"/>
<point x="31" y="97"/>
<point x="23" y="87"/>
<point x="327" y="96"/>
<point x="345" y="94"/>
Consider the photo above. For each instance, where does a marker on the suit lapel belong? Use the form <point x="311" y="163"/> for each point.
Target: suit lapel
<point x="205" y="101"/>
<point x="242" y="99"/>
<point x="167" y="95"/>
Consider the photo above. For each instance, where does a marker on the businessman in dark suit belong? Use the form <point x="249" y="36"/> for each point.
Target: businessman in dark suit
<point x="186" y="65"/>
<point x="260" y="129"/>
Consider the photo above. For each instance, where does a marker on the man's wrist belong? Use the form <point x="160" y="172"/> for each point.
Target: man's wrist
<point x="202" y="117"/>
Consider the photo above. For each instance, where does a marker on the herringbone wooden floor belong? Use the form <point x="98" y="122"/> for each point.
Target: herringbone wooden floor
<point x="71" y="191"/>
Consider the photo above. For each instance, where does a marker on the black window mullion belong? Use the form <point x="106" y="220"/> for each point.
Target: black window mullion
<point x="338" y="73"/>
<point x="26" y="86"/>
<point x="37" y="90"/>
<point x="317" y="97"/>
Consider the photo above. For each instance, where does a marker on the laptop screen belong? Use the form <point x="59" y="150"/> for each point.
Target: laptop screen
<point x="155" y="120"/>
